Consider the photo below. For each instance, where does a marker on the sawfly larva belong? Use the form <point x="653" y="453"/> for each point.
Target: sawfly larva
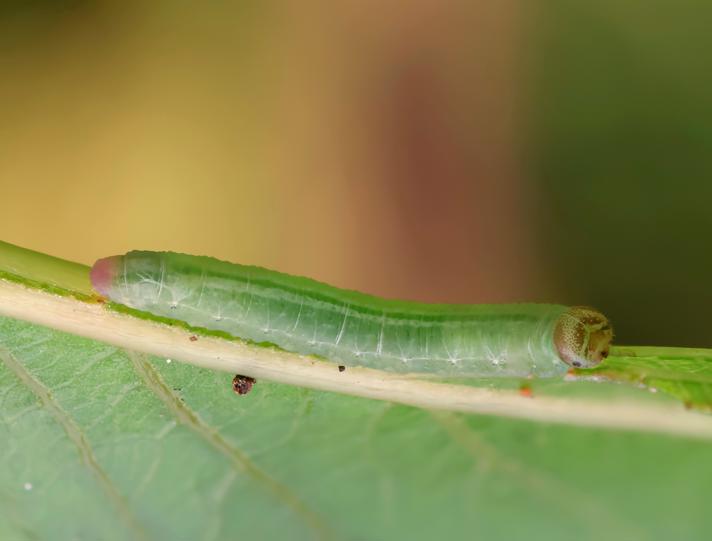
<point x="354" y="329"/>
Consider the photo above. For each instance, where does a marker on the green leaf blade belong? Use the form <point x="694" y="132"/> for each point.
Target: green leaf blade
<point x="366" y="469"/>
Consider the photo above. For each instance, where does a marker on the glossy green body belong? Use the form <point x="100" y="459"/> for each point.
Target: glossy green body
<point x="349" y="328"/>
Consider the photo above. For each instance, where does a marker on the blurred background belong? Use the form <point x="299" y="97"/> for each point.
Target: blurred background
<point x="460" y="151"/>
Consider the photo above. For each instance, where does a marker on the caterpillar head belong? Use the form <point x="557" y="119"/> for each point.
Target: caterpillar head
<point x="583" y="337"/>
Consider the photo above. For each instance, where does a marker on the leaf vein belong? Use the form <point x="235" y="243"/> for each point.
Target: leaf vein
<point x="77" y="437"/>
<point x="240" y="461"/>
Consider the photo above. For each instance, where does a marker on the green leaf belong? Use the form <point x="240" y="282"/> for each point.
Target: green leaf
<point x="102" y="443"/>
<point x="685" y="373"/>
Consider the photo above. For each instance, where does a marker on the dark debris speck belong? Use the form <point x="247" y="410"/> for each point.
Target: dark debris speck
<point x="242" y="384"/>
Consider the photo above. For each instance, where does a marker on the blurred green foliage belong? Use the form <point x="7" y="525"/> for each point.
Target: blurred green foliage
<point x="622" y="146"/>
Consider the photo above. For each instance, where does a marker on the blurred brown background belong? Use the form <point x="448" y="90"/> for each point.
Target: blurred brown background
<point x="458" y="151"/>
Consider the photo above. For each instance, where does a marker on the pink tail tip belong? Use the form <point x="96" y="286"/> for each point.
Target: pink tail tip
<point x="102" y="273"/>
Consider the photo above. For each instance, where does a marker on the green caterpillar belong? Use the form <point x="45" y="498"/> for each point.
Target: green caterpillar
<point x="354" y="329"/>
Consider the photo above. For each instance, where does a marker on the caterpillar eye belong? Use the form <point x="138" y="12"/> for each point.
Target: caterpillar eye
<point x="583" y="337"/>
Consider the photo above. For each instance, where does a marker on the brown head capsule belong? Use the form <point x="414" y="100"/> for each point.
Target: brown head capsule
<point x="583" y="337"/>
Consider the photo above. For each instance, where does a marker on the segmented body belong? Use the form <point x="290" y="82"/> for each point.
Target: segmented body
<point x="350" y="328"/>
